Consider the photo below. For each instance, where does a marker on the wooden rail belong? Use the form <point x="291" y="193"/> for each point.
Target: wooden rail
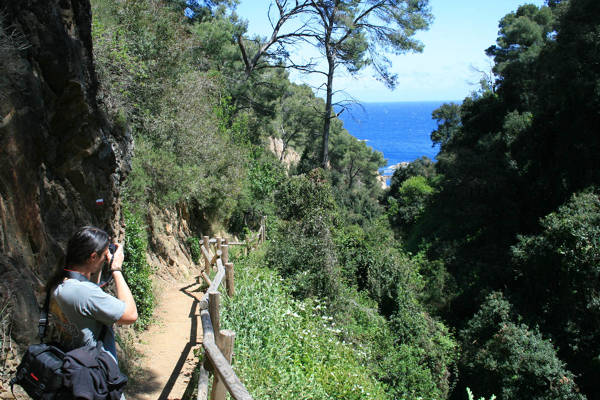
<point x="217" y="343"/>
<point x="254" y="240"/>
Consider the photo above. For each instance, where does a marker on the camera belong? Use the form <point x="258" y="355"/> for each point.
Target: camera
<point x="112" y="248"/>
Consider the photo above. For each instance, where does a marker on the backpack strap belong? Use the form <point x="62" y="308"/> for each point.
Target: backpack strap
<point x="43" y="322"/>
<point x="101" y="335"/>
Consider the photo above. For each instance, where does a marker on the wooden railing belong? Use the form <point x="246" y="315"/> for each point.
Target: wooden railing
<point x="254" y="240"/>
<point x="217" y="343"/>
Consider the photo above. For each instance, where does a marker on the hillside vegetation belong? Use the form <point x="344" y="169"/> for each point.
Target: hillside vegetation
<point x="479" y="270"/>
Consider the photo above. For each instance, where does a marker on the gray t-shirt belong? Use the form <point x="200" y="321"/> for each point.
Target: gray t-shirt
<point x="87" y="307"/>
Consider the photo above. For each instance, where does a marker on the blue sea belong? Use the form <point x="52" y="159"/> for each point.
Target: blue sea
<point x="401" y="131"/>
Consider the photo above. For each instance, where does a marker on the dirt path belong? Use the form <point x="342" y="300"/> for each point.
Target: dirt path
<point x="168" y="345"/>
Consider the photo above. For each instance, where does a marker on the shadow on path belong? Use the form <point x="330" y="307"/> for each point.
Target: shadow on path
<point x="193" y="315"/>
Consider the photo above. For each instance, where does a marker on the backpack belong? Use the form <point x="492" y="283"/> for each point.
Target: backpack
<point x="39" y="373"/>
<point x="47" y="372"/>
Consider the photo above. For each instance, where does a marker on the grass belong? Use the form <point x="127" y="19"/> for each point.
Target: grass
<point x="287" y="348"/>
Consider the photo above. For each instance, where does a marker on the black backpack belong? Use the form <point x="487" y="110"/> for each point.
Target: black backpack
<point x="41" y="373"/>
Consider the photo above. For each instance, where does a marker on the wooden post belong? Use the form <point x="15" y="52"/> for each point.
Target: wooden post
<point x="202" y="384"/>
<point x="229" y="279"/>
<point x="206" y="278"/>
<point x="222" y="367"/>
<point x="214" y="305"/>
<point x="227" y="338"/>
<point x="219" y="243"/>
<point x="206" y="245"/>
<point x="262" y="229"/>
<point x="225" y="253"/>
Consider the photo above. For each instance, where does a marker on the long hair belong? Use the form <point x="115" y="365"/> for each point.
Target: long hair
<point x="82" y="244"/>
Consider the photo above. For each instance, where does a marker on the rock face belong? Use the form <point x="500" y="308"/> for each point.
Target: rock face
<point x="59" y="153"/>
<point x="168" y="254"/>
<point x="289" y="158"/>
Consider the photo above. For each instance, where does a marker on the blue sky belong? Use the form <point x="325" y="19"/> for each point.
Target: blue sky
<point x="454" y="45"/>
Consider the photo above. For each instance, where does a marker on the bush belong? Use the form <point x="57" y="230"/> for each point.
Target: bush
<point x="407" y="205"/>
<point x="301" y="246"/>
<point x="136" y="270"/>
<point x="287" y="348"/>
<point x="194" y="247"/>
<point x="508" y="358"/>
<point x="558" y="272"/>
<point x="264" y="176"/>
<point x="410" y="367"/>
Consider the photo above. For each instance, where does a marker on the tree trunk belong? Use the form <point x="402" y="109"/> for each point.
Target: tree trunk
<point x="327" y="114"/>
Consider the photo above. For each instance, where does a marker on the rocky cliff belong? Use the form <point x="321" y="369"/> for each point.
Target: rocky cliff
<point x="62" y="162"/>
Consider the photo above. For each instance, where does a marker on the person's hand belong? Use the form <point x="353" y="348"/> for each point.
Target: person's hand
<point x="118" y="257"/>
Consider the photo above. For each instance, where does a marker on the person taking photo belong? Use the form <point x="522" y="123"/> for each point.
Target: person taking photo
<point x="85" y="307"/>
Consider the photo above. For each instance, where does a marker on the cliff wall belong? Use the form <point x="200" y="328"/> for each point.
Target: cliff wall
<point x="59" y="154"/>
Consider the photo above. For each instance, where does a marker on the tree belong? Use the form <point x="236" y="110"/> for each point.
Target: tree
<point x="299" y="116"/>
<point x="423" y="166"/>
<point x="510" y="359"/>
<point x="301" y="246"/>
<point x="351" y="34"/>
<point x="357" y="162"/>
<point x="408" y="204"/>
<point x="448" y="123"/>
<point x="522" y="36"/>
<point x="199" y="10"/>
<point x="556" y="274"/>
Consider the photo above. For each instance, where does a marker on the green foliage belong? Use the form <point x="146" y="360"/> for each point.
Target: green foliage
<point x="505" y="357"/>
<point x="515" y="155"/>
<point x="439" y="287"/>
<point x="354" y="160"/>
<point x="472" y="397"/>
<point x="428" y="343"/>
<point x="423" y="166"/>
<point x="414" y="346"/>
<point x="448" y="123"/>
<point x="194" y="247"/>
<point x="199" y="122"/>
<point x="287" y="348"/>
<point x="304" y="196"/>
<point x="409" y="368"/>
<point x="303" y="252"/>
<point x="142" y="57"/>
<point x="371" y="262"/>
<point x="136" y="270"/>
<point x="521" y="37"/>
<point x="408" y="204"/>
<point x="301" y="245"/>
<point x="559" y="269"/>
<point x="299" y="117"/>
<point x="264" y="174"/>
<point x="353" y="173"/>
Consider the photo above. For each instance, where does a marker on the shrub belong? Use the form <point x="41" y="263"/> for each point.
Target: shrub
<point x="558" y="272"/>
<point x="287" y="348"/>
<point x="508" y="358"/>
<point x="264" y="175"/>
<point x="136" y="270"/>
<point x="194" y="247"/>
<point x="408" y="204"/>
<point x="301" y="246"/>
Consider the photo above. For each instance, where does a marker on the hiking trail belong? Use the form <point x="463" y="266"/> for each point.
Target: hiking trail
<point x="168" y="347"/>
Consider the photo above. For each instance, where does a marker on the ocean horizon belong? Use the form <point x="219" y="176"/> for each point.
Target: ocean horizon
<point x="399" y="130"/>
